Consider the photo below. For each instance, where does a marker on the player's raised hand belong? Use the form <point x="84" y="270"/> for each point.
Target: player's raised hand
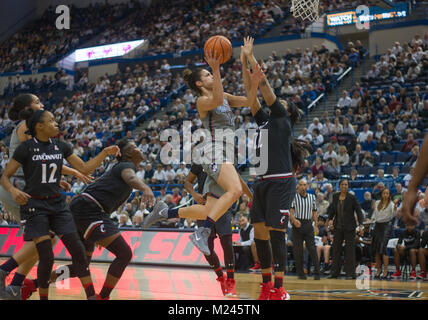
<point x="257" y="75"/>
<point x="20" y="196"/>
<point x="212" y="60"/>
<point x="112" y="151"/>
<point x="408" y="209"/>
<point x="65" y="185"/>
<point x="148" y="197"/>
<point x="247" y="49"/>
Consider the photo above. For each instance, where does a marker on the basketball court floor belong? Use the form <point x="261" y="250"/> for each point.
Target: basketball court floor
<point x="175" y="283"/>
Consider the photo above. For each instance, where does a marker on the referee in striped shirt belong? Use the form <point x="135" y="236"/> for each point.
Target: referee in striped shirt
<point x="303" y="212"/>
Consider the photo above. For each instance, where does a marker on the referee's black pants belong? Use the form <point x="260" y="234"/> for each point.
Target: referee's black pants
<point x="304" y="233"/>
<point x="349" y="237"/>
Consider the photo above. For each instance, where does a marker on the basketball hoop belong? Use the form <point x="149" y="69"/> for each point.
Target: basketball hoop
<point x="305" y="9"/>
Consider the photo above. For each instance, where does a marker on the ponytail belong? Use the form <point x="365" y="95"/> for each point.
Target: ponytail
<point x="20" y="104"/>
<point x="299" y="151"/>
<point x="191" y="77"/>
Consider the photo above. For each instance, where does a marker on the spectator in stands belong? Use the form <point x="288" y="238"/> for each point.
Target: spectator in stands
<point x="399" y="191"/>
<point x="384" y="145"/>
<point x="408" y="244"/>
<point x="411" y="161"/>
<point x="369" y="144"/>
<point x="318" y="166"/>
<point x="322" y="204"/>
<point x="124" y="220"/>
<point x="137" y="220"/>
<point x="332" y="170"/>
<point x="348" y="129"/>
<point x="408" y="176"/>
<point x="410" y="143"/>
<point x="343" y="156"/>
<point x="3" y="222"/>
<point x="367" y="205"/>
<point x="323" y="247"/>
<point x="377" y="190"/>
<point x="176" y="197"/>
<point x="368" y="160"/>
<point x="357" y="157"/>
<point x="364" y="134"/>
<point x="306" y="136"/>
<point x="316" y="124"/>
<point x="384" y="212"/>
<point x="345" y="101"/>
<point x="364" y="246"/>
<point x="317" y="138"/>
<point x="330" y="154"/>
<point x="142" y="210"/>
<point x="159" y="175"/>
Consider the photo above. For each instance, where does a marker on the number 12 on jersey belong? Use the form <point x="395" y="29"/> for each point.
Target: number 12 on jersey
<point x="53" y="168"/>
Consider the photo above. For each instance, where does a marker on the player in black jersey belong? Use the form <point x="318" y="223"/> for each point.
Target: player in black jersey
<point x="274" y="191"/>
<point x="43" y="207"/>
<point x="26" y="257"/>
<point x="91" y="210"/>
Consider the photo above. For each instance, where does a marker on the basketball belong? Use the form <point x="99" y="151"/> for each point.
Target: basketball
<point x="221" y="46"/>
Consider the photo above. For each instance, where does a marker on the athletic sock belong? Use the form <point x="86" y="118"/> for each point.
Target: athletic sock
<point x="106" y="291"/>
<point x="230" y="274"/>
<point x="208" y="223"/>
<point x="219" y="272"/>
<point x="89" y="289"/>
<point x="44" y="296"/>
<point x="9" y="265"/>
<point x="18" y="279"/>
<point x="267" y="277"/>
<point x="172" y="213"/>
<point x="278" y="282"/>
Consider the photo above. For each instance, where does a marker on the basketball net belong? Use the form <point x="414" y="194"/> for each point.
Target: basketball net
<point x="305" y="9"/>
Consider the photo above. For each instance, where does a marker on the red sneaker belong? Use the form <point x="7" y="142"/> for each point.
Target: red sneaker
<point x="256" y="267"/>
<point x="223" y="284"/>
<point x="279" y="294"/>
<point x="230" y="288"/>
<point x="265" y="290"/>
<point x="27" y="289"/>
<point x="396" y="274"/>
<point x="422" y="275"/>
<point x="413" y="275"/>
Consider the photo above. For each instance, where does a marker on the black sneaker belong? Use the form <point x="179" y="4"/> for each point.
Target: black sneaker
<point x="13" y="293"/>
<point x="3" y="275"/>
<point x="159" y="213"/>
<point x="200" y="239"/>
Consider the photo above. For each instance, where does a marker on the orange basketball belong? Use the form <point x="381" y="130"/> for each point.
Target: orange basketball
<point x="221" y="46"/>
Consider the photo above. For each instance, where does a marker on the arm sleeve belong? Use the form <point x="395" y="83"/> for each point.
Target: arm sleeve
<point x="278" y="110"/>
<point x="66" y="149"/>
<point x="261" y="117"/>
<point x="21" y="153"/>
<point x="117" y="170"/>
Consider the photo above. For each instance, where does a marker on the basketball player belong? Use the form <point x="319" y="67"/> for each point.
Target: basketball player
<point x="43" y="207"/>
<point x="91" y="210"/>
<point x="26" y="257"/>
<point x="274" y="191"/>
<point x="411" y="197"/>
<point x="214" y="109"/>
<point x="207" y="188"/>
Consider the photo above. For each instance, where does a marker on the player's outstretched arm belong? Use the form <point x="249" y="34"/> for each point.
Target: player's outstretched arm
<point x="89" y="166"/>
<point x="421" y="170"/>
<point x="131" y="179"/>
<point x="19" y="196"/>
<point x="265" y="88"/>
<point x="86" y="178"/>
<point x="255" y="107"/>
<point x="209" y="103"/>
<point x="188" y="186"/>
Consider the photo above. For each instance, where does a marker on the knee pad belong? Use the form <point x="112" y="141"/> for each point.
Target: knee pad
<point x="264" y="252"/>
<point x="78" y="255"/>
<point x="46" y="260"/>
<point x="123" y="254"/>
<point x="229" y="256"/>
<point x="279" y="250"/>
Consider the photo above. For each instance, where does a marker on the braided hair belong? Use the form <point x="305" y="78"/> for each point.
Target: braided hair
<point x="20" y="103"/>
<point x="300" y="149"/>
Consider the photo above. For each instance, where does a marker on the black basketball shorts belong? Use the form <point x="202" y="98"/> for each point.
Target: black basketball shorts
<point x="92" y="223"/>
<point x="222" y="226"/>
<point x="272" y="202"/>
<point x="39" y="217"/>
